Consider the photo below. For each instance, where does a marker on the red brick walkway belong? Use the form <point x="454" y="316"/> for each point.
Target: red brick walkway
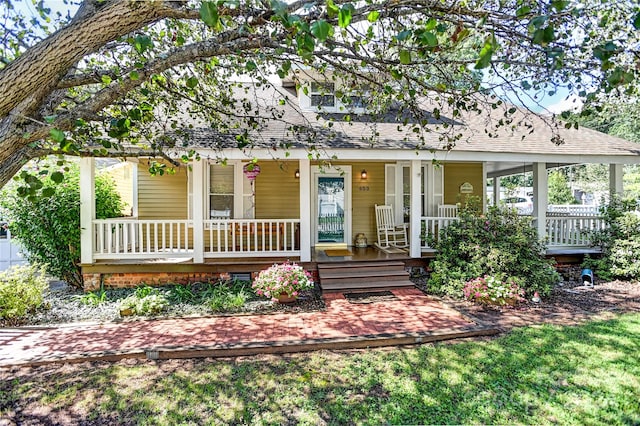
<point x="413" y="317"/>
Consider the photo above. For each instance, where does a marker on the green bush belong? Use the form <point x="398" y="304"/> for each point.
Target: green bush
<point x="48" y="227"/>
<point x="619" y="241"/>
<point x="21" y="290"/>
<point x="498" y="243"/>
<point x="146" y="300"/>
<point x="229" y="296"/>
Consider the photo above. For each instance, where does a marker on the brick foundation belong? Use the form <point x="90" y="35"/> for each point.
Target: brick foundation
<point x="127" y="280"/>
<point x="154" y="277"/>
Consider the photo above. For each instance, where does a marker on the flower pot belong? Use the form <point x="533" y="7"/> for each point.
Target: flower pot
<point x="285" y="298"/>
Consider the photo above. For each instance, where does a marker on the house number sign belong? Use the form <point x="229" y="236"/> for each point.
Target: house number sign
<point x="466" y="188"/>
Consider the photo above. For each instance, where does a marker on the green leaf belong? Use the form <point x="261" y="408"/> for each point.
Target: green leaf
<point x="345" y="15"/>
<point x="48" y="192"/>
<point x="484" y="59"/>
<point x="431" y="24"/>
<point x="135" y="114"/>
<point x="405" y="57"/>
<point x="106" y="79"/>
<point x="559" y="5"/>
<point x="523" y="11"/>
<point x="209" y="14"/>
<point x="332" y="9"/>
<point x="403" y="35"/>
<point x="251" y="66"/>
<point x="544" y="36"/>
<point x="134" y="75"/>
<point x="429" y="39"/>
<point x="321" y="30"/>
<point x="142" y="43"/>
<point x="57" y="177"/>
<point x="57" y="135"/>
<point x="636" y="22"/>
<point x="192" y="82"/>
<point x="373" y="16"/>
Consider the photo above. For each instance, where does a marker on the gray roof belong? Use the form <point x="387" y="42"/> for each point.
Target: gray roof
<point x="525" y="133"/>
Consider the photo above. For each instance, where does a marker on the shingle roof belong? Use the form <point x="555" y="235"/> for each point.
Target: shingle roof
<point x="475" y="132"/>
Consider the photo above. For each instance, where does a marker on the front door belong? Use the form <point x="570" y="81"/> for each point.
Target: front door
<point x="331" y="214"/>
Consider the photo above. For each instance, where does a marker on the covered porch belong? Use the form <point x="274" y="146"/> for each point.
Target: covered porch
<point x="416" y="190"/>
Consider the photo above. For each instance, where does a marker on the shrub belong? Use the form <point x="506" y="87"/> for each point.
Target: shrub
<point x="48" y="227"/>
<point x="498" y="243"/>
<point x="494" y="290"/>
<point x="619" y="241"/>
<point x="284" y="278"/>
<point x="146" y="301"/>
<point x="21" y="289"/>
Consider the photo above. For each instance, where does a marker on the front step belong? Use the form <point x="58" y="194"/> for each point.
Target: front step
<point x="362" y="275"/>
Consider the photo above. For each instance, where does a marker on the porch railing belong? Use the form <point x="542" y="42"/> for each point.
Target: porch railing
<point x="572" y="231"/>
<point x="251" y="237"/>
<point x="432" y="226"/>
<point x="117" y="238"/>
<point x="562" y="231"/>
<point x="142" y="239"/>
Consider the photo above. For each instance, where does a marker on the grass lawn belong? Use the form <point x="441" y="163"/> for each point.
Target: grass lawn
<point x="589" y="374"/>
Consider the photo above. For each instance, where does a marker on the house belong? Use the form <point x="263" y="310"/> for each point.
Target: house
<point x="276" y="201"/>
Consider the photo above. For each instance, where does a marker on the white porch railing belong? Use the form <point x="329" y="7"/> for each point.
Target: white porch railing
<point x="432" y="226"/>
<point x="131" y="238"/>
<point x="251" y="237"/>
<point x="572" y="210"/>
<point x="564" y="231"/>
<point x="123" y="238"/>
<point x="572" y="231"/>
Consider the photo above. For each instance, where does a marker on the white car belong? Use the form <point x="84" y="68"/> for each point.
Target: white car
<point x="522" y="203"/>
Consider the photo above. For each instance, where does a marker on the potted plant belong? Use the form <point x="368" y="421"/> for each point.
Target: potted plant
<point x="282" y="282"/>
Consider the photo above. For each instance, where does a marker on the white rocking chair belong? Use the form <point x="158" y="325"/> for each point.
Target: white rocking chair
<point x="447" y="210"/>
<point x="390" y="234"/>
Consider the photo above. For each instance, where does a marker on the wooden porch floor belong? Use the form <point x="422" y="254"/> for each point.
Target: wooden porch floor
<point x="244" y="264"/>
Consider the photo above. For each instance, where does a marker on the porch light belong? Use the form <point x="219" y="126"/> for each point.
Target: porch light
<point x="296" y="174"/>
<point x="363" y="174"/>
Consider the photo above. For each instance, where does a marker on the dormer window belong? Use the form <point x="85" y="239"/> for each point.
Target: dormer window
<point x="322" y="95"/>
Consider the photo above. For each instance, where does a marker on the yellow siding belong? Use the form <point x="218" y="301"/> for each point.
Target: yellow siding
<point x="455" y="174"/>
<point x="365" y="194"/>
<point x="162" y="197"/>
<point x="277" y="191"/>
<point x="122" y="175"/>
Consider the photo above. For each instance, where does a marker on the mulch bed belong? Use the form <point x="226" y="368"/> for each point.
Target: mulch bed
<point x="570" y="302"/>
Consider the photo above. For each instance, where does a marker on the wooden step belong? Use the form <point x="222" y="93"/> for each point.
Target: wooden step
<point x="366" y="285"/>
<point x="338" y="276"/>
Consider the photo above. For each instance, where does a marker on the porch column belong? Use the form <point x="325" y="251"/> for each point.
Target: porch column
<point x="540" y="197"/>
<point x="197" y="173"/>
<point x="415" y="209"/>
<point x="615" y="180"/>
<point x="496" y="191"/>
<point x="87" y="209"/>
<point x="304" y="165"/>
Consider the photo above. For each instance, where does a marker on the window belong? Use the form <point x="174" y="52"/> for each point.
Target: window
<point x="322" y="95"/>
<point x="221" y="193"/>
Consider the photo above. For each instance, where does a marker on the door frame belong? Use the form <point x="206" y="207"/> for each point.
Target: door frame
<point x="339" y="171"/>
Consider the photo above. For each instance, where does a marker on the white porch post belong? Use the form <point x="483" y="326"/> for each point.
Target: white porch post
<point x="198" y="173"/>
<point x="304" y="165"/>
<point x="87" y="209"/>
<point x="496" y="191"/>
<point x="615" y="180"/>
<point x="540" y="197"/>
<point x="415" y="209"/>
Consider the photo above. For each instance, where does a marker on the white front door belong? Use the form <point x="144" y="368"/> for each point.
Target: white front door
<point x="331" y="206"/>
